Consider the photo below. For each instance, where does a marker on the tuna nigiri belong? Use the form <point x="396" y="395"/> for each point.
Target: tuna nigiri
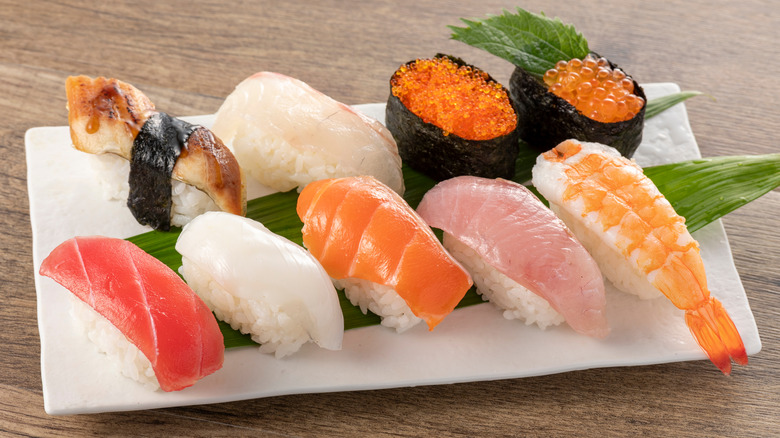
<point x="287" y="134"/>
<point x="260" y="283"/>
<point x="383" y="254"/>
<point x="173" y="170"/>
<point x="520" y="255"/>
<point x="638" y="240"/>
<point x="153" y="310"/>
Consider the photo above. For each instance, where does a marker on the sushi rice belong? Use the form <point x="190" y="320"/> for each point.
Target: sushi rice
<point x="187" y="201"/>
<point x="516" y="301"/>
<point x="382" y="300"/>
<point x="127" y="358"/>
<point x="275" y="331"/>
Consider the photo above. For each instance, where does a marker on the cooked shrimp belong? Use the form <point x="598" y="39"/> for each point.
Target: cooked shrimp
<point x="639" y="241"/>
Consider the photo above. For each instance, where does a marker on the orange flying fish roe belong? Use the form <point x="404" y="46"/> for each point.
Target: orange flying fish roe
<point x="595" y="89"/>
<point x="458" y="99"/>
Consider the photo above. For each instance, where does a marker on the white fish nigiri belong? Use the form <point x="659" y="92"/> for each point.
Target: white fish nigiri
<point x="520" y="255"/>
<point x="260" y="283"/>
<point x="286" y="134"/>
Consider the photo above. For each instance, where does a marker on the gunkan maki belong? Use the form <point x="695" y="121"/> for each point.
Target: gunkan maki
<point x="588" y="99"/>
<point x="450" y="118"/>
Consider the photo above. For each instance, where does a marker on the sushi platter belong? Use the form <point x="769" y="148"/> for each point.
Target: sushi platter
<point x="473" y="344"/>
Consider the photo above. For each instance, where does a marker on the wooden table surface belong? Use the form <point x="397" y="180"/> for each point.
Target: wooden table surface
<point x="187" y="56"/>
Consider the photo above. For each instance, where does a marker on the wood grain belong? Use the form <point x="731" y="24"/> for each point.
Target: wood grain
<point x="187" y="56"/>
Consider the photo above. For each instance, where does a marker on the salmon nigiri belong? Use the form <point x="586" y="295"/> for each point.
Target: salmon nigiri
<point x="384" y="255"/>
<point x="147" y="318"/>
<point x="640" y="243"/>
<point x="520" y="255"/>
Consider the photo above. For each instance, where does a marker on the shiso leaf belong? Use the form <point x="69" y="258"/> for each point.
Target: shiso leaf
<point x="531" y="41"/>
<point x="699" y="190"/>
<point x="661" y="104"/>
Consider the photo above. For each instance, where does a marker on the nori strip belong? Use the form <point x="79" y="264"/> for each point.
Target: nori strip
<point x="155" y="151"/>
<point x="545" y="120"/>
<point x="424" y="147"/>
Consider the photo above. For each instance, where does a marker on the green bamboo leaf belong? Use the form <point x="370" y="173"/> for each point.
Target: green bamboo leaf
<point x="661" y="104"/>
<point x="526" y="159"/>
<point x="704" y="190"/>
<point x="530" y="41"/>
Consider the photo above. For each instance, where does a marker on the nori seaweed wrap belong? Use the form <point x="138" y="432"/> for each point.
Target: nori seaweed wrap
<point x="545" y="120"/>
<point x="155" y="151"/>
<point x="443" y="154"/>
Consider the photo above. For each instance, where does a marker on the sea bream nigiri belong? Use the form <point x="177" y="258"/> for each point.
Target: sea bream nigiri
<point x="176" y="170"/>
<point x="138" y="311"/>
<point x="380" y="251"/>
<point x="640" y="243"/>
<point x="520" y="255"/>
<point x="286" y="134"/>
<point x="260" y="283"/>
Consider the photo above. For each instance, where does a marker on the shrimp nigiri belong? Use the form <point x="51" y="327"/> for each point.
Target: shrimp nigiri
<point x="377" y="247"/>
<point x="640" y="242"/>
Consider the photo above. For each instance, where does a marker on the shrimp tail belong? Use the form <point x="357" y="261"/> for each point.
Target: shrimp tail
<point x="716" y="334"/>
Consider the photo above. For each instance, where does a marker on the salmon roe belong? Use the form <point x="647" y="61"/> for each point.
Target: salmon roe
<point x="593" y="87"/>
<point x="458" y="99"/>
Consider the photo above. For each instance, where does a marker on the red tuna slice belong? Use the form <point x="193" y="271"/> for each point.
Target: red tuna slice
<point x="143" y="298"/>
<point x="520" y="237"/>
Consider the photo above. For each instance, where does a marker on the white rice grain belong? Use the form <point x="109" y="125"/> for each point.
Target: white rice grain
<point x="517" y="301"/>
<point x="112" y="172"/>
<point x="382" y="300"/>
<point x="127" y="358"/>
<point x="273" y="329"/>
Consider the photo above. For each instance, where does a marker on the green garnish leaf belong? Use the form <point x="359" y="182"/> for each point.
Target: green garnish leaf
<point x="707" y="189"/>
<point x="527" y="40"/>
<point x="661" y="104"/>
<point x="526" y="159"/>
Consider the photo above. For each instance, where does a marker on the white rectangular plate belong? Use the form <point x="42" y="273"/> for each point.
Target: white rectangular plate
<point x="473" y="343"/>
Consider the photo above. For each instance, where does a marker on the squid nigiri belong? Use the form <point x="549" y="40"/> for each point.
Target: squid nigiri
<point x="287" y="134"/>
<point x="640" y="243"/>
<point x="260" y="283"/>
<point x="138" y="311"/>
<point x="108" y="116"/>
<point x="520" y="255"/>
<point x="384" y="255"/>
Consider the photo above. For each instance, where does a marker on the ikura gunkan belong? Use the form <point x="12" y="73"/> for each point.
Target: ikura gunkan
<point x="596" y="89"/>
<point x="589" y="99"/>
<point x="450" y="118"/>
